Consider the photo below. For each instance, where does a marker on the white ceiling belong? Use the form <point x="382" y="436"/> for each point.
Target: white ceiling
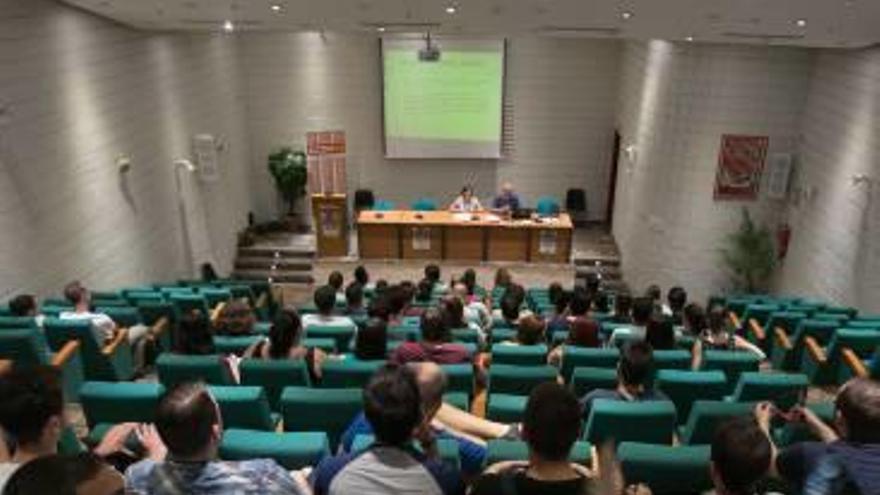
<point x="831" y="23"/>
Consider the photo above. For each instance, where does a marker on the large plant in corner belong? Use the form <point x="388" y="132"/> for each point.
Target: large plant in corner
<point x="288" y="168"/>
<point x="750" y="255"/>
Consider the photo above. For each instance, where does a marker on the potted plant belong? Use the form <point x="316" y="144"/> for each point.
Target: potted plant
<point x="288" y="168"/>
<point x="750" y="255"/>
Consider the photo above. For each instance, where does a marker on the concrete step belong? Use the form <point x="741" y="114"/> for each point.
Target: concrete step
<point x="275" y="252"/>
<point x="591" y="260"/>
<point x="278" y="276"/>
<point x="607" y="272"/>
<point x="267" y="263"/>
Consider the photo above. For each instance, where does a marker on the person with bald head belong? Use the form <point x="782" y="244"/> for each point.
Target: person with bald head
<point x="507" y="199"/>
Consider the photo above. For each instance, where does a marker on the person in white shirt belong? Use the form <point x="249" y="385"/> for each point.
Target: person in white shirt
<point x="643" y="309"/>
<point x="466" y="202"/>
<point x="325" y="301"/>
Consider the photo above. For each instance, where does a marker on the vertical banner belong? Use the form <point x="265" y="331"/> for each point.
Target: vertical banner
<point x="326" y="162"/>
<point x="740" y="165"/>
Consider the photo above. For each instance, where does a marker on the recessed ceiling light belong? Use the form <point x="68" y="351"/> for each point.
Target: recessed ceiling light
<point x="381" y="29"/>
<point x="801" y="22"/>
<point x="689" y="38"/>
<point x="626" y="15"/>
<point x="228" y="26"/>
<point x="451" y="9"/>
<point x="275" y="7"/>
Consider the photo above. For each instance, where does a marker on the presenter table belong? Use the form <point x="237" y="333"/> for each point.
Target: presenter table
<point x="463" y="236"/>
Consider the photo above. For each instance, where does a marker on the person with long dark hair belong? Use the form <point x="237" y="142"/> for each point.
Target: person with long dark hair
<point x="285" y="342"/>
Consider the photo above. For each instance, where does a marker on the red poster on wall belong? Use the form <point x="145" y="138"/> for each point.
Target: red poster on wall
<point x="740" y="165"/>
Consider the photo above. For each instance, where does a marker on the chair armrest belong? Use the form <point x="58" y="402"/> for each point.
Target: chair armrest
<point x="65" y="354"/>
<point x="852" y="361"/>
<point x="263" y="300"/>
<point x="121" y="336"/>
<point x="734" y="320"/>
<point x="782" y="338"/>
<point x="757" y="330"/>
<point x="215" y="313"/>
<point x="814" y="351"/>
<point x="159" y="327"/>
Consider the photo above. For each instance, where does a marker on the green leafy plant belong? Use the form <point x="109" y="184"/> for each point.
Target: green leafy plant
<point x="750" y="254"/>
<point x="288" y="168"/>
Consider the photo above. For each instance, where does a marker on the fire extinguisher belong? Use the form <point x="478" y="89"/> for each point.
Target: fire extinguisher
<point x="783" y="239"/>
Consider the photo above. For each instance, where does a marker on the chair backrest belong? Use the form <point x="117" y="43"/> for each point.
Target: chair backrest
<point x="847" y="311"/>
<point x="226" y="344"/>
<point x="24" y="347"/>
<point x="676" y="359"/>
<point x="273" y="375"/>
<point x="424" y="204"/>
<point x="185" y="302"/>
<point x="787" y="320"/>
<point x="342" y="334"/>
<point x="677" y="470"/>
<point x="348" y="372"/>
<point x="243" y="407"/>
<point x="585" y="379"/>
<point x="518" y="380"/>
<point x="179" y="368"/>
<point x="732" y="363"/>
<point x="384" y="205"/>
<point x="547" y="206"/>
<point x="783" y="389"/>
<point x="861" y="341"/>
<point x="685" y="387"/>
<point x="327" y="410"/>
<point x="96" y="365"/>
<point x="521" y="355"/>
<point x="459" y="377"/>
<point x="518" y="450"/>
<point x="576" y="200"/>
<point x="576" y="357"/>
<point x="706" y="415"/>
<point x="119" y="402"/>
<point x="622" y="421"/>
<point x="17" y="322"/>
<point x="215" y="296"/>
<point x="759" y="312"/>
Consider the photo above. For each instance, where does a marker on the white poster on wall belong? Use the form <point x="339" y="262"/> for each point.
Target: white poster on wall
<point x="207" y="160"/>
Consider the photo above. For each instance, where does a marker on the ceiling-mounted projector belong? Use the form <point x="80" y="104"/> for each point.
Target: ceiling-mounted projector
<point x="430" y="53"/>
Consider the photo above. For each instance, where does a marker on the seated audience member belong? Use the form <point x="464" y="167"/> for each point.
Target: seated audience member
<point x="716" y="337"/>
<point x="371" y="340"/>
<point x="561" y="311"/>
<point x="103" y="327"/>
<point x="80" y="474"/>
<point x="622" y="308"/>
<point x="643" y="309"/>
<point x="189" y="424"/>
<point x="466" y="202"/>
<point x="654" y="293"/>
<point x="336" y="280"/>
<point x="530" y="331"/>
<point x="579" y="306"/>
<point x="592" y="284"/>
<point x="551" y="425"/>
<point x="432" y="274"/>
<point x="469" y="279"/>
<point x="400" y="303"/>
<point x="847" y="457"/>
<point x="582" y="333"/>
<point x="741" y="456"/>
<point x="380" y="287"/>
<point x="474" y="310"/>
<point x="325" y="301"/>
<point x="424" y="291"/>
<point x="660" y="333"/>
<point x="434" y="345"/>
<point x="209" y="274"/>
<point x="507" y="199"/>
<point x="25" y="306"/>
<point x="354" y="300"/>
<point x="397" y="416"/>
<point x="194" y="335"/>
<point x="503" y="278"/>
<point x="600" y="303"/>
<point x="511" y="307"/>
<point x="379" y="307"/>
<point x="285" y="342"/>
<point x="236" y="318"/>
<point x="635" y="373"/>
<point x="362" y="277"/>
<point x="694" y="320"/>
<point x="453" y="311"/>
<point x="676" y="299"/>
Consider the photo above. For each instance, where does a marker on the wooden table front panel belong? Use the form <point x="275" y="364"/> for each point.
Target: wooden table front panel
<point x="434" y="251"/>
<point x="508" y="244"/>
<point x="562" y="251"/>
<point x="378" y="241"/>
<point x="464" y="243"/>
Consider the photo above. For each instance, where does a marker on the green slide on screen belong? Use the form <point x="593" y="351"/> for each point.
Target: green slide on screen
<point x="456" y="98"/>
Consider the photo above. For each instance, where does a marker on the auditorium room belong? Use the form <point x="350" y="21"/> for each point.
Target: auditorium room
<point x="440" y="247"/>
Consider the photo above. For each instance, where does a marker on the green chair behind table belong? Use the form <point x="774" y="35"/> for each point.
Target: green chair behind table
<point x="520" y="355"/>
<point x="680" y="470"/>
<point x="110" y="403"/>
<point x="244" y="407"/>
<point x="732" y="363"/>
<point x="518" y="380"/>
<point x="291" y="450"/>
<point x="424" y="204"/>
<point x="585" y="379"/>
<point x="829" y="365"/>
<point x="459" y="377"/>
<point x="27" y="348"/>
<point x="273" y="375"/>
<point x="764" y="335"/>
<point x="674" y="359"/>
<point x="178" y="368"/>
<point x="706" y="415"/>
<point x="686" y="387"/>
<point x="325" y="410"/>
<point x="101" y="362"/>
<point x="347" y="372"/>
<point x="547" y="206"/>
<point x="587" y="357"/>
<point x="622" y="421"/>
<point x="342" y="334"/>
<point x="788" y="349"/>
<point x="518" y="450"/>
<point x="783" y="389"/>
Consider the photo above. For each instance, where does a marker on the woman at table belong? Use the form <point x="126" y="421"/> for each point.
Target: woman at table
<point x="466" y="202"/>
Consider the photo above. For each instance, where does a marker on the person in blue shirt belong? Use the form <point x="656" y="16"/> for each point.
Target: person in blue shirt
<point x="507" y="200"/>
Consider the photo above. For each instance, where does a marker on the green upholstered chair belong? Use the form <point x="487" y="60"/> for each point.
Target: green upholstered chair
<point x="215" y="296"/>
<point x="863" y="324"/>
<point x="788" y="349"/>
<point x="676" y="359"/>
<point x="342" y="334"/>
<point x="403" y="333"/>
<point x="518" y="450"/>
<point x="17" y="322"/>
<point x="738" y="305"/>
<point x="706" y="415"/>
<point x="184" y="303"/>
<point x="5" y="310"/>
<point x="840" y="318"/>
<point x="326" y="345"/>
<point x="447" y="448"/>
<point x="55" y="311"/>
<point x="324" y="410"/>
<point x="110" y="403"/>
<point x="760" y="313"/>
<point x="347" y="372"/>
<point x="135" y="298"/>
<point x="68" y="443"/>
<point x="101" y="362"/>
<point x="291" y="450"/>
<point x="587" y="357"/>
<point x="825" y="365"/>
<point x="585" y="379"/>
<point x="762" y="335"/>
<point x="518" y="380"/>
<point x="109" y="303"/>
<point x="622" y="421"/>
<point x="161" y="316"/>
<point x="686" y="387"/>
<point x="424" y="204"/>
<point x="459" y="377"/>
<point x="547" y="206"/>
<point x="678" y="470"/>
<point x="783" y="389"/>
<point x="244" y="407"/>
<point x="506" y="408"/>
<point x="847" y="311"/>
<point x="467" y="335"/>
<point x="56" y="301"/>
<point x="502" y="334"/>
<point x="460" y="400"/>
<point x="791" y="433"/>
<point x="234" y="344"/>
<point x="732" y="363"/>
<point x="520" y="355"/>
<point x="179" y="368"/>
<point x="27" y="348"/>
<point x="273" y="375"/>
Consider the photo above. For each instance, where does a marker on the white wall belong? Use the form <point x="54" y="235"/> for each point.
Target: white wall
<point x="835" y="250"/>
<point x="676" y="100"/>
<point x="77" y="92"/>
<point x="561" y="96"/>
